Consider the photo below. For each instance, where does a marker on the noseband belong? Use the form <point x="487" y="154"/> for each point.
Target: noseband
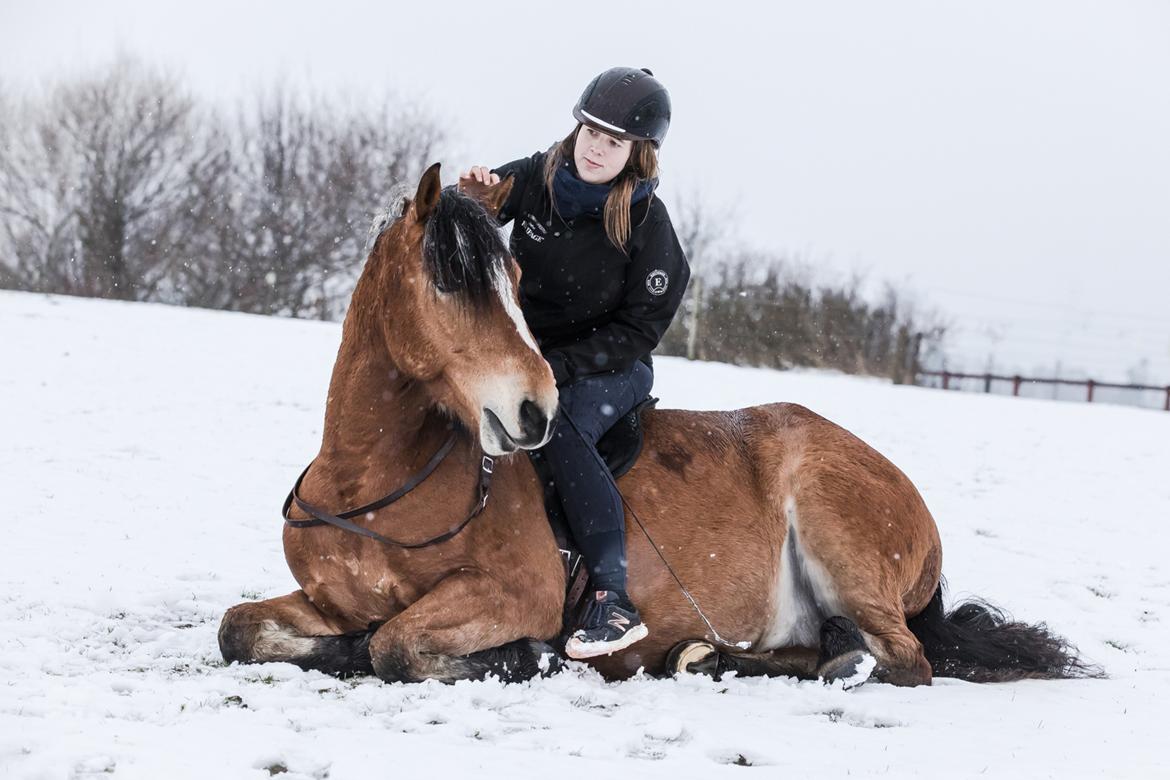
<point x="342" y="519"/>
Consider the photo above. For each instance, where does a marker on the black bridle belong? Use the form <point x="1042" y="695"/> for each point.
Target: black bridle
<point x="342" y="519"/>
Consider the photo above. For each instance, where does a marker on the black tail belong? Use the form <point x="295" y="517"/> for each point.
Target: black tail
<point x="977" y="642"/>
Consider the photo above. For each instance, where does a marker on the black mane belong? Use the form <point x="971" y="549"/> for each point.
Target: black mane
<point x="462" y="247"/>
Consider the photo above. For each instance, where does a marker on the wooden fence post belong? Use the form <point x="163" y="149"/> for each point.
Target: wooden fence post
<point x="1016" y="384"/>
<point x="987" y="383"/>
<point x="946" y="381"/>
<point x="901" y="352"/>
<point x="1090" y="384"/>
<point x="915" y="350"/>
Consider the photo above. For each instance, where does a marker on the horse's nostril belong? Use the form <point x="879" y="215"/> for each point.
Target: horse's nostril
<point x="533" y="422"/>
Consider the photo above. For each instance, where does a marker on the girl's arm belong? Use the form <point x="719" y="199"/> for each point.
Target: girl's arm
<point x="655" y="284"/>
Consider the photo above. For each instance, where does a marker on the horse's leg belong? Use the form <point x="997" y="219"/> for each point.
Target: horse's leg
<point x="841" y="655"/>
<point x="861" y="588"/>
<point x="898" y="652"/>
<point x="799" y="662"/>
<point x="466" y="628"/>
<point x="291" y="629"/>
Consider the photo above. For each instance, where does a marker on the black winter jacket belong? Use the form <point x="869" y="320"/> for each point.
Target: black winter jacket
<point x="591" y="307"/>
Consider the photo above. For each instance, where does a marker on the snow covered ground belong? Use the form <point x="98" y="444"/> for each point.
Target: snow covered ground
<point x="144" y="453"/>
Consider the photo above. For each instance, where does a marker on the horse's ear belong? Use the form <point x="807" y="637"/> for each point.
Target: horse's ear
<point x="494" y="197"/>
<point x="427" y="196"/>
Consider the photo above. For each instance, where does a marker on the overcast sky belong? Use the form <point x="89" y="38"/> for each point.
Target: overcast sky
<point x="1009" y="161"/>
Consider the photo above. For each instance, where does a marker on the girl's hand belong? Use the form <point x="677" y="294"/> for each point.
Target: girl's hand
<point x="477" y="180"/>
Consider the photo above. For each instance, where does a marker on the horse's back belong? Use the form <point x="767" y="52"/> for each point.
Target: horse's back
<point x="786" y="446"/>
<point x="767" y="440"/>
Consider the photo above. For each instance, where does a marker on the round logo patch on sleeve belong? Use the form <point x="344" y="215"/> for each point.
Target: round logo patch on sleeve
<point x="657" y="281"/>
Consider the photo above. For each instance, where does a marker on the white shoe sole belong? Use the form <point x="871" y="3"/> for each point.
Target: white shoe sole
<point x="579" y="650"/>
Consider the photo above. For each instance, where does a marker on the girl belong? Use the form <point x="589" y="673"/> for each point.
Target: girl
<point x="602" y="276"/>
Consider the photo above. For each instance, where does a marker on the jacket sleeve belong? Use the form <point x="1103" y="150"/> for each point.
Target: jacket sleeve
<point x="656" y="280"/>
<point x="523" y="170"/>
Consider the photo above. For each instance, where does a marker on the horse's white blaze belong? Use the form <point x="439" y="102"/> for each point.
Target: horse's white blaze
<point x="804" y="593"/>
<point x="503" y="286"/>
<point x="275" y="642"/>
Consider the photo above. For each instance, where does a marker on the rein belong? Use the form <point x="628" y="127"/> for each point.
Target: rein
<point x="342" y="519"/>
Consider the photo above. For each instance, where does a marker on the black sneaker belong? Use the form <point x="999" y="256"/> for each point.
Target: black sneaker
<point x="611" y="624"/>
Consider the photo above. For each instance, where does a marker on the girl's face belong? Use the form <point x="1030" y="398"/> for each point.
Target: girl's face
<point x="600" y="157"/>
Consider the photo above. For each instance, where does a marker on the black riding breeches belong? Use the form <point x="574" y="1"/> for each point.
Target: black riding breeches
<point x="588" y="408"/>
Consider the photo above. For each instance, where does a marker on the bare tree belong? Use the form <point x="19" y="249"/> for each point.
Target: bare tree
<point x="38" y="202"/>
<point x="120" y="185"/>
<point x="101" y="183"/>
<point x="700" y="230"/>
<point x="133" y="130"/>
<point x="291" y="215"/>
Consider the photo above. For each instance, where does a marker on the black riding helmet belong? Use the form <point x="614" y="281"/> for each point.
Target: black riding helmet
<point x="628" y="103"/>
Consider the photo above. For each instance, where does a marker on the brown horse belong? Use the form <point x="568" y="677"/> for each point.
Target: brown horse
<point x="774" y="518"/>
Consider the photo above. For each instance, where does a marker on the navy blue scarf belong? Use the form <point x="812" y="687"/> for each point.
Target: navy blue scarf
<point x="576" y="197"/>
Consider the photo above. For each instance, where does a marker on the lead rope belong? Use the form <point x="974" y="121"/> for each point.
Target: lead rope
<point x="742" y="645"/>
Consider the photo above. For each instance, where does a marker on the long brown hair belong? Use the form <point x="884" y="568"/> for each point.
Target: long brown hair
<point x="642" y="166"/>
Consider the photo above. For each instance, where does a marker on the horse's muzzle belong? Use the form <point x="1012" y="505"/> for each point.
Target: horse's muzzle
<point x="534" y="430"/>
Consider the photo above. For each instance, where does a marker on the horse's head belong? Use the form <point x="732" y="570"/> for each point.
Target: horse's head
<point x="451" y="318"/>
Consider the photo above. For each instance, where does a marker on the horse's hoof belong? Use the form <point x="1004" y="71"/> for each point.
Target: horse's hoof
<point x="844" y="655"/>
<point x="548" y="660"/>
<point x="685" y="656"/>
<point x="851" y="669"/>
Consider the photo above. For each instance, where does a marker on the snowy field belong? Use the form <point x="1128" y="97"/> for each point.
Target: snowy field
<point x="144" y="453"/>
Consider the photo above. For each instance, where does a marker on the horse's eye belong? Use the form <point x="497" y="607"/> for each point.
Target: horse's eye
<point x="449" y="284"/>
